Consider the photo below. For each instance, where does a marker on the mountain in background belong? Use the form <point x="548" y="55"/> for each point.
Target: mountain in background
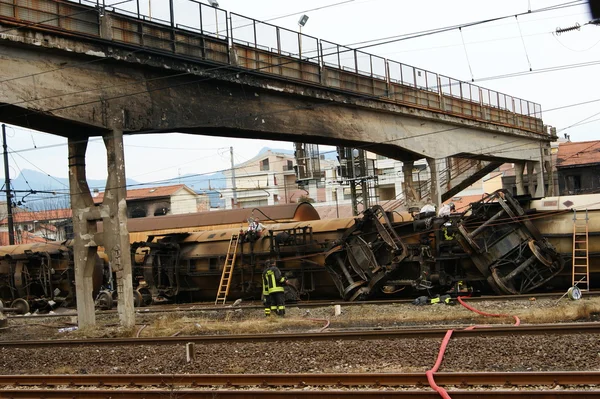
<point x="29" y="180"/>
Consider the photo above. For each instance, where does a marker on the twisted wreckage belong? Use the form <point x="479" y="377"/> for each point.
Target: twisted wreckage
<point x="493" y="244"/>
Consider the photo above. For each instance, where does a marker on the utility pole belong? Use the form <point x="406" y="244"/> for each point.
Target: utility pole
<point x="235" y="202"/>
<point x="9" y="217"/>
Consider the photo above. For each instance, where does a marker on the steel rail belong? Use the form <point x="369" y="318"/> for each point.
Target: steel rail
<point x="569" y="378"/>
<point x="204" y="306"/>
<point x="288" y="394"/>
<point x="537" y="329"/>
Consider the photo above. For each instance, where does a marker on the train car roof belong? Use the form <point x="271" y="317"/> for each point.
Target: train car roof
<point x="298" y="212"/>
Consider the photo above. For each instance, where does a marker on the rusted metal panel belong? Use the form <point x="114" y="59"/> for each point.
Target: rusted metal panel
<point x="45" y="11"/>
<point x="189" y="45"/>
<point x="127" y="31"/>
<point x="217" y="51"/>
<point x="157" y="37"/>
<point x="75" y="19"/>
<point x="7" y="9"/>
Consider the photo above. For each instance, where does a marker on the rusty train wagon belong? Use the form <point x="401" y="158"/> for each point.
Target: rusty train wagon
<point x="190" y="265"/>
<point x="493" y="244"/>
<point x="41" y="276"/>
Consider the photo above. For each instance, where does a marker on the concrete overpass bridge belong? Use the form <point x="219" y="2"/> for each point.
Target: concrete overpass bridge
<point x="78" y="69"/>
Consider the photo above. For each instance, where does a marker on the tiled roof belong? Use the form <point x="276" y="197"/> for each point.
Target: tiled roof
<point x="54" y="214"/>
<point x="578" y="153"/>
<point x="148" y="192"/>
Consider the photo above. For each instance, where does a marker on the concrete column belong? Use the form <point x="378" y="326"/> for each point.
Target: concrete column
<point x="530" y="179"/>
<point x="312" y="190"/>
<point x="519" y="170"/>
<point x="541" y="188"/>
<point x="411" y="198"/>
<point x="116" y="235"/>
<point x="84" y="247"/>
<point x="552" y="190"/>
<point x="435" y="191"/>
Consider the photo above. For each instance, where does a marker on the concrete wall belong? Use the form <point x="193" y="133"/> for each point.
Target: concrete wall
<point x="183" y="202"/>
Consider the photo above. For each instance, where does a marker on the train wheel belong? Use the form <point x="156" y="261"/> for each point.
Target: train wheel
<point x="353" y="291"/>
<point x="138" y="299"/>
<point x="505" y="286"/>
<point x="146" y="296"/>
<point x="21" y="305"/>
<point x="104" y="300"/>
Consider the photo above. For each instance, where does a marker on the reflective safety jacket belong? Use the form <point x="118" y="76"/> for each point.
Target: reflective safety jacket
<point x="274" y="279"/>
<point x="265" y="284"/>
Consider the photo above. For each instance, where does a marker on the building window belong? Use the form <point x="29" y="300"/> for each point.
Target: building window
<point x="381" y="157"/>
<point x="574" y="184"/>
<point x="137" y="212"/>
<point x="290" y="165"/>
<point x="264" y="164"/>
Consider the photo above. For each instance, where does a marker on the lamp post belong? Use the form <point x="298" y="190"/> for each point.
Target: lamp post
<point x="301" y="22"/>
<point x="215" y="5"/>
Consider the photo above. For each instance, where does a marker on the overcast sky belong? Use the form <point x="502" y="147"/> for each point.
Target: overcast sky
<point x="490" y="52"/>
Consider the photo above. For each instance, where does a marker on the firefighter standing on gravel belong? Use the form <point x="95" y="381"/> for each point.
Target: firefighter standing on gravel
<point x="265" y="293"/>
<point x="276" y="282"/>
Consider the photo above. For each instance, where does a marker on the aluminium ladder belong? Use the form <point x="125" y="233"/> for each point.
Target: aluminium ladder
<point x="581" y="271"/>
<point x="227" y="270"/>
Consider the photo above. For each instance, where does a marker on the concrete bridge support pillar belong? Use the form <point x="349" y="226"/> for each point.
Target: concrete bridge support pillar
<point x="410" y="195"/>
<point x="530" y="179"/>
<point x="550" y="173"/>
<point x="84" y="228"/>
<point x="435" y="190"/>
<point x="519" y="171"/>
<point x="116" y="235"/>
<point x="540" y="191"/>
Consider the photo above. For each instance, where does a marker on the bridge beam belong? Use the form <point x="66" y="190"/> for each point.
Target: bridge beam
<point x="159" y="93"/>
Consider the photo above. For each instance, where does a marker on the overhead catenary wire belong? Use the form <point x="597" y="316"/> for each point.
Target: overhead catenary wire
<point x="466" y="54"/>
<point x="523" y="41"/>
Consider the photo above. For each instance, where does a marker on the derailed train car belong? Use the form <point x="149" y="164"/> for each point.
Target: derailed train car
<point x="494" y="244"/>
<point x="41" y="276"/>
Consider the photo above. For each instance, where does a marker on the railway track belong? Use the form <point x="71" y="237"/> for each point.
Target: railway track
<point x="233" y="386"/>
<point x="538" y="329"/>
<point x="379" y="380"/>
<point x="289" y="394"/>
<point x="199" y="307"/>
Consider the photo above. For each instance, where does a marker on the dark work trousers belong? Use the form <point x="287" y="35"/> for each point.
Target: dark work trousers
<point x="278" y="301"/>
<point x="267" y="304"/>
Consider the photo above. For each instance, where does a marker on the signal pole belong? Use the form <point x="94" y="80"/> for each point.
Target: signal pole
<point x="9" y="217"/>
<point x="235" y="202"/>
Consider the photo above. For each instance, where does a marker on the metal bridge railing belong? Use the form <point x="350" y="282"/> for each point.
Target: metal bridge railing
<point x="198" y="31"/>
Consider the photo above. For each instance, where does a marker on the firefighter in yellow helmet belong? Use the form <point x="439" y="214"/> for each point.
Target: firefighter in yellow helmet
<point x="276" y="283"/>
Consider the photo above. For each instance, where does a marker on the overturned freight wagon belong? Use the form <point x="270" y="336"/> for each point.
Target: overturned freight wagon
<point x="492" y="243"/>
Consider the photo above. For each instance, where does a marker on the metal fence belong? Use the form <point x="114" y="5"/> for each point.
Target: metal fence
<point x="194" y="29"/>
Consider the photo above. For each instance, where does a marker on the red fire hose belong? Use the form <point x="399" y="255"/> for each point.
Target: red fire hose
<point x="429" y="373"/>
